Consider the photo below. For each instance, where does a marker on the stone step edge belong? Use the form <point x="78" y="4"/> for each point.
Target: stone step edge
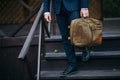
<point x="105" y="36"/>
<point x="82" y="74"/>
<point x="94" y="54"/>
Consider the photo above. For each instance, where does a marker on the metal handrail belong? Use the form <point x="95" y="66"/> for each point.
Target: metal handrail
<point x="29" y="38"/>
<point x="39" y="51"/>
<point x="30" y="35"/>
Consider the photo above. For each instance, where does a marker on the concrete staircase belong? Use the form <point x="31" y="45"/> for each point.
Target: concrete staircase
<point x="103" y="64"/>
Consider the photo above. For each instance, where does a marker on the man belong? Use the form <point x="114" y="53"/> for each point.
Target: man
<point x="66" y="11"/>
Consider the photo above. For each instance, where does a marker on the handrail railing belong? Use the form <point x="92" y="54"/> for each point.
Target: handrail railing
<point x="29" y="38"/>
<point x="30" y="35"/>
<point x="39" y="51"/>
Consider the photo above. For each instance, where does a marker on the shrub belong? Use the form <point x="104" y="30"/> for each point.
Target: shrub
<point x="111" y="8"/>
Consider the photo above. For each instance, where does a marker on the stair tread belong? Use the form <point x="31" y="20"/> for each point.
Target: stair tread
<point x="96" y="54"/>
<point x="83" y="74"/>
<point x="105" y="36"/>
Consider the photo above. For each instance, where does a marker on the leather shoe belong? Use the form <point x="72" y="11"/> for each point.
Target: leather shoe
<point x="70" y="70"/>
<point x="85" y="54"/>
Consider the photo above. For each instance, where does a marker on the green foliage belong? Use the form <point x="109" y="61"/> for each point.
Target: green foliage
<point x="111" y="8"/>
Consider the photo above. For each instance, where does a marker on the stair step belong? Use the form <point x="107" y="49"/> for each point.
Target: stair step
<point x="19" y="41"/>
<point x="105" y="36"/>
<point x="92" y="64"/>
<point x="108" y="44"/>
<point x="94" y="54"/>
<point x="82" y="74"/>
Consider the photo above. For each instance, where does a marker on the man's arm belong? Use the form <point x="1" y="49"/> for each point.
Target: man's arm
<point x="46" y="10"/>
<point x="84" y="12"/>
<point x="46" y="6"/>
<point x="84" y="3"/>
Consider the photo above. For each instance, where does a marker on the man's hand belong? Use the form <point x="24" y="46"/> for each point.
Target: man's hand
<point x="47" y="16"/>
<point x="84" y="12"/>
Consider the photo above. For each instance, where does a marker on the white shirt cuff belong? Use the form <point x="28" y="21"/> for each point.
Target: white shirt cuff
<point x="84" y="8"/>
<point x="46" y="13"/>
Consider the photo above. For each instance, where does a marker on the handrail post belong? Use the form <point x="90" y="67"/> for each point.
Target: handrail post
<point x="39" y="51"/>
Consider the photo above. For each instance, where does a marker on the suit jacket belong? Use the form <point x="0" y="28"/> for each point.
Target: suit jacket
<point x="70" y="5"/>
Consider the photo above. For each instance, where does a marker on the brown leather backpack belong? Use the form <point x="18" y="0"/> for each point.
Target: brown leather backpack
<point x="86" y="32"/>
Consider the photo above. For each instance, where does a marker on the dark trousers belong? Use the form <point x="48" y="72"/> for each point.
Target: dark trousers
<point x="63" y="20"/>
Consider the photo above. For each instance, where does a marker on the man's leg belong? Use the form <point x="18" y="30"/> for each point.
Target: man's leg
<point x="85" y="50"/>
<point x="63" y="22"/>
<point x="69" y="49"/>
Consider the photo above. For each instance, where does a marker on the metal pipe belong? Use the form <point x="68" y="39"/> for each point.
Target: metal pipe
<point x="30" y="35"/>
<point x="39" y="51"/>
